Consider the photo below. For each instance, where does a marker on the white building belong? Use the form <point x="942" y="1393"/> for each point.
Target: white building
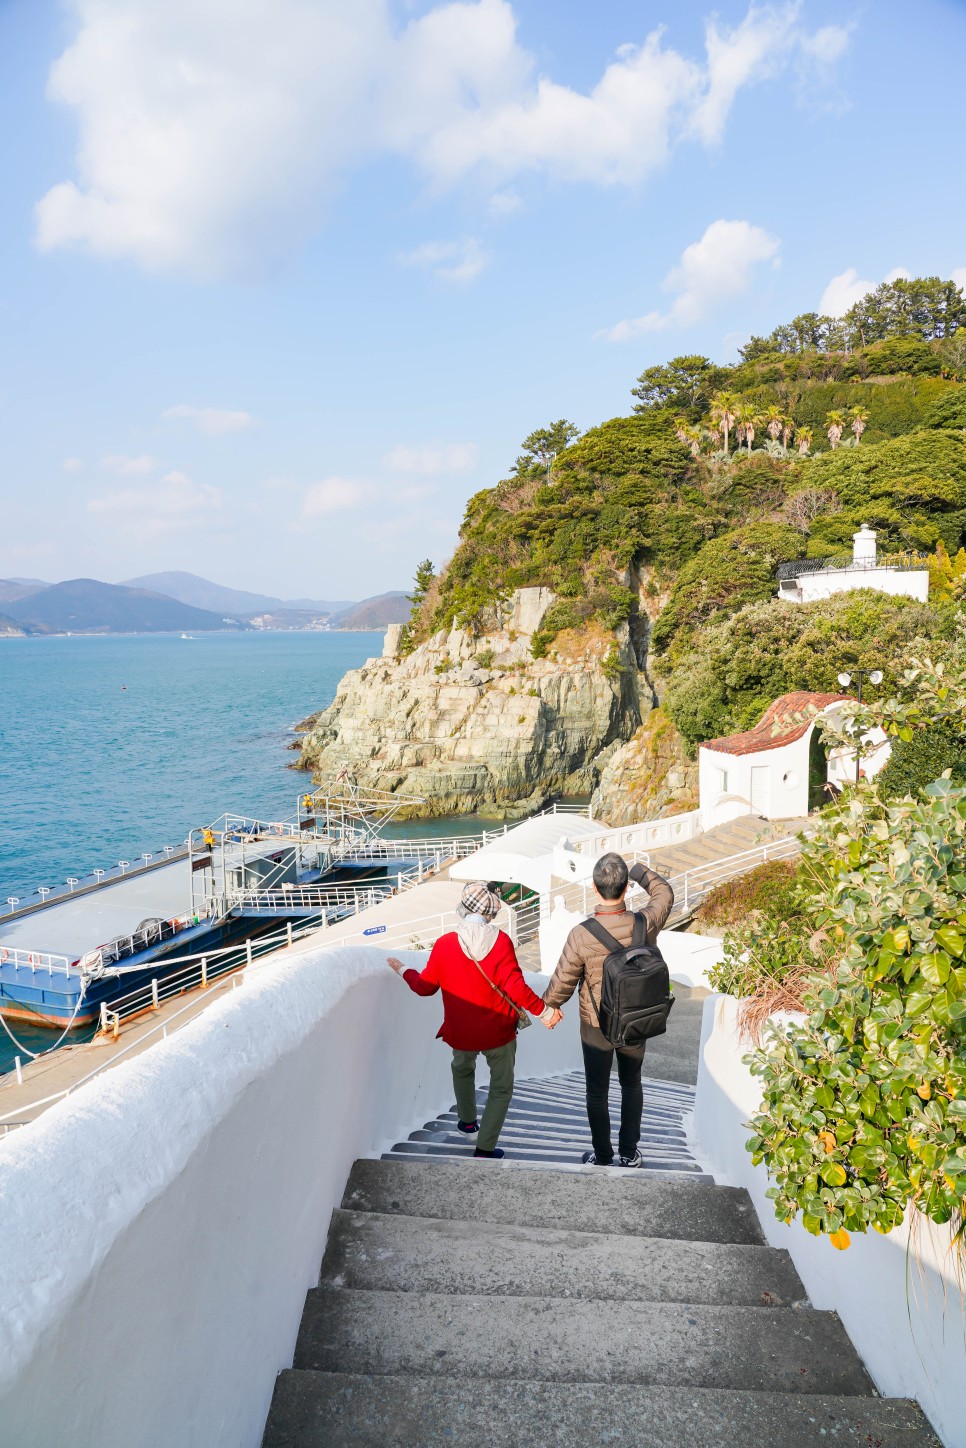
<point x="765" y="771"/>
<point x="808" y="580"/>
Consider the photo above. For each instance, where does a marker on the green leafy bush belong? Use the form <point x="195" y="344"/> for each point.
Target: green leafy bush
<point x="736" y="666"/>
<point x="768" y="891"/>
<point x="916" y="762"/>
<point x="949" y="410"/>
<point x="864" y="1104"/>
<point x="728" y="572"/>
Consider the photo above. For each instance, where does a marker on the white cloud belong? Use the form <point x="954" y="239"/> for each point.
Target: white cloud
<point x="333" y="495"/>
<point x="215" y="421"/>
<point x="452" y="261"/>
<point x="72" y="465"/>
<point x="711" y="271"/>
<point x="959" y="276"/>
<point x="504" y="203"/>
<point x="171" y="505"/>
<point x="844" y="290"/>
<point x="211" y="144"/>
<point x="431" y="458"/>
<point x="130" y="467"/>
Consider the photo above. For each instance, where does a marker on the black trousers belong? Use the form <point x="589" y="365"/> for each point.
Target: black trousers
<point x="597" y="1069"/>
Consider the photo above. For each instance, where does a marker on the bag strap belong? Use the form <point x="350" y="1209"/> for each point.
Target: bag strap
<point x="602" y="936"/>
<point x="517" y="1010"/>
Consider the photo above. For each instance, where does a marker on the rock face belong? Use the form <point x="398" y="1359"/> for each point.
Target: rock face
<point x="475" y="723"/>
<point x="648" y="776"/>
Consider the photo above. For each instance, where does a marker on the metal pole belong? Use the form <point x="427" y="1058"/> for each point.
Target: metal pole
<point x="17" y="1067"/>
<point x="248" y="952"/>
<point x="858" y="737"/>
<point x="154" y="993"/>
<point x="204" y="970"/>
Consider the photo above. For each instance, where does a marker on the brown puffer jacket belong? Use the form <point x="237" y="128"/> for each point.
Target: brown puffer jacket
<point x="582" y="958"/>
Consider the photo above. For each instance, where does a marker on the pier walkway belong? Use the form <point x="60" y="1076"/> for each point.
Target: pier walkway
<point x="537" y="1303"/>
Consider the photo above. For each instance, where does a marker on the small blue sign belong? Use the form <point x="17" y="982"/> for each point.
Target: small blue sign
<point x="375" y="930"/>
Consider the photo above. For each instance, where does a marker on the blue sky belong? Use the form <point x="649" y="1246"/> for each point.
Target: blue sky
<point x="283" y="282"/>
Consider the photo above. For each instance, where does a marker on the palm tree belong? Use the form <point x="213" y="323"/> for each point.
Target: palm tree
<point x="747" y="420"/>
<point x="681" y="426"/>
<point x="774" y="421"/>
<point x="723" y="407"/>
<point x="788" y="427"/>
<point x="803" y="437"/>
<point x="835" y="426"/>
<point x="859" y="418"/>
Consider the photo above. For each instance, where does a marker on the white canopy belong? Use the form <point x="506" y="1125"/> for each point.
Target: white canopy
<point x="524" y="855"/>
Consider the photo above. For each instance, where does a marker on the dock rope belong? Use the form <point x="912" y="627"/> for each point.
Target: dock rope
<point x="36" y="1055"/>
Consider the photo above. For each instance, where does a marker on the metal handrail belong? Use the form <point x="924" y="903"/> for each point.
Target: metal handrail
<point x="34" y="960"/>
<point x="903" y="563"/>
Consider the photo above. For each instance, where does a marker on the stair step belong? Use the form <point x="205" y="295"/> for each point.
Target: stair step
<point x="342" y="1410"/>
<point x="373" y="1251"/>
<point x="653" y="1160"/>
<point x="624" y="1203"/>
<point x="555" y="1339"/>
<point x="426" y="1156"/>
<point x="575" y="1131"/>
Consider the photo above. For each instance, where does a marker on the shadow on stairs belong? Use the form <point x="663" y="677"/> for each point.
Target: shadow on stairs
<point x="489" y="1304"/>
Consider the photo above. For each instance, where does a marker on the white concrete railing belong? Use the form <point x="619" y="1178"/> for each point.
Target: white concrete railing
<point x="899" y="1296"/>
<point x="649" y="835"/>
<point x="163" y="1224"/>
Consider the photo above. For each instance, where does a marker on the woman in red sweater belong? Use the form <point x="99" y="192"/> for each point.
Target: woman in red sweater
<point x="484" y="993"/>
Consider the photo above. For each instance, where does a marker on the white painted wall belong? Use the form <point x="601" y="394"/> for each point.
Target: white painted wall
<point x="725" y="782"/>
<point x="899" y="1296"/>
<point x="822" y="584"/>
<point x="161" y="1226"/>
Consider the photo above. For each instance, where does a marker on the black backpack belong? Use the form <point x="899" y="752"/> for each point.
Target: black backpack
<point x="635" y="990"/>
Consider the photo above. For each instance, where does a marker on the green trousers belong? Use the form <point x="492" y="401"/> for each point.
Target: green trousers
<point x="501" y="1062"/>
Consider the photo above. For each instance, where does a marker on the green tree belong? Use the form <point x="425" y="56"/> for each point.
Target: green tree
<point x="684" y="383"/>
<point x="858" y="421"/>
<point x="835" y="426"/>
<point x="545" y="444"/>
<point x="724" y="407"/>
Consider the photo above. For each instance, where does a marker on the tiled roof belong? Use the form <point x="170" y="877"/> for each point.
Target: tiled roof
<point x="784" y="721"/>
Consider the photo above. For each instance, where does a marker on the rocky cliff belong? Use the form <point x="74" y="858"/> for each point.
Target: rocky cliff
<point x="474" y="723"/>
<point x="649" y="776"/>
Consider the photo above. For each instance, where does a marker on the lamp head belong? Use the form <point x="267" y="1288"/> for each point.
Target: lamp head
<point x="845" y="680"/>
<point x="875" y="676"/>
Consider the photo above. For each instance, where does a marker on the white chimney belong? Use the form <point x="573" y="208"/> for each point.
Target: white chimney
<point x="863" y="545"/>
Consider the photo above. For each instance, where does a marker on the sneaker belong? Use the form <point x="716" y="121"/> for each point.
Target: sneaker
<point x="468" y="1128"/>
<point x="635" y="1160"/>
<point x="589" y="1159"/>
<point x="497" y="1152"/>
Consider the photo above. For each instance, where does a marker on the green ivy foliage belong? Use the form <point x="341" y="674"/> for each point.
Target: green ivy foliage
<point x="864" y="1105"/>
<point x="733" y="669"/>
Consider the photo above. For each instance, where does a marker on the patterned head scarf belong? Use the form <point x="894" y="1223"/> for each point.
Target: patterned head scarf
<point x="479" y="899"/>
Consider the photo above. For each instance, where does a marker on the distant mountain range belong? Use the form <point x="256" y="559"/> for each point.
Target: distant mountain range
<point x="83" y="605"/>
<point x="164" y="602"/>
<point x="201" y="593"/>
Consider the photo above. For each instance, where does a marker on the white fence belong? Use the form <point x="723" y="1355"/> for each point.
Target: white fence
<point x="34" y="960"/>
<point x="650" y="835"/>
<point x="153" y="1283"/>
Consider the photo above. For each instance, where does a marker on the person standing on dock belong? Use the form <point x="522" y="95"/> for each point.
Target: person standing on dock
<point x="485" y="1000"/>
<point x="581" y="967"/>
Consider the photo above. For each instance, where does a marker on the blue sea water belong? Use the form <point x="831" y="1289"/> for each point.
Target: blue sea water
<point x="115" y="745"/>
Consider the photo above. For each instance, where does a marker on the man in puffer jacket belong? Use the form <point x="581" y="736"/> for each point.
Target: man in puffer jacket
<point x="581" y="965"/>
<point x="475" y="966"/>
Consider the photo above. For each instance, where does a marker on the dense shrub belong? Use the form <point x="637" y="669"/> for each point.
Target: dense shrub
<point x="728" y="572"/>
<point x="864" y="1104"/>
<point x="916" y="762"/>
<point x="949" y="410"/>
<point x="735" y="668"/>
<point x="767" y="892"/>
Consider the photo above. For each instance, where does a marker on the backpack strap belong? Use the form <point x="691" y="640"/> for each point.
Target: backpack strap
<point x="639" y="936"/>
<point x="602" y="936"/>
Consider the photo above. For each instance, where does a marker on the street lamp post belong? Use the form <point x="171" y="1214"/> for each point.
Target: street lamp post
<point x="874" y="676"/>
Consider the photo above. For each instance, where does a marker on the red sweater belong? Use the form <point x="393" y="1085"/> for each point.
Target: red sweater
<point x="474" y="1016"/>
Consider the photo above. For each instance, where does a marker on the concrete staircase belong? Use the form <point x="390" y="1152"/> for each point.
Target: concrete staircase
<point x="536" y="1303"/>
<point x="744" y="833"/>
